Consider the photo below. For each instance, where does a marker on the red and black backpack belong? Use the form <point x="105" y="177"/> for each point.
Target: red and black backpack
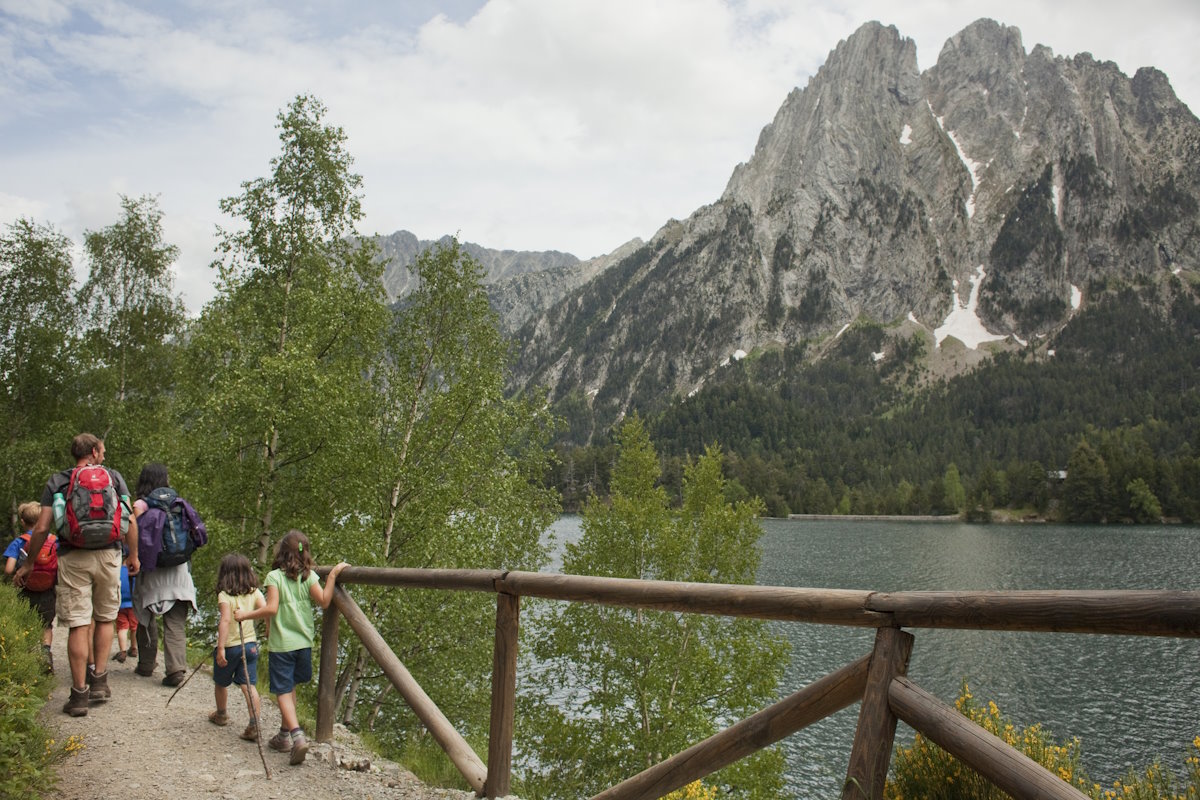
<point x="95" y="518"/>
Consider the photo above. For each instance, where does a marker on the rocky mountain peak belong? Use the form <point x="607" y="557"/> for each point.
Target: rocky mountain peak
<point x="881" y="193"/>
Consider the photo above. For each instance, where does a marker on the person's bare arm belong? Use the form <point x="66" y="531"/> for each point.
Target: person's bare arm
<point x="267" y="609"/>
<point x="324" y="596"/>
<point x="131" y="542"/>
<point x="222" y="632"/>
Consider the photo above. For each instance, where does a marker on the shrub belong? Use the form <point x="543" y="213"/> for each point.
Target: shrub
<point x="693" y="791"/>
<point x="26" y="768"/>
<point x="925" y="771"/>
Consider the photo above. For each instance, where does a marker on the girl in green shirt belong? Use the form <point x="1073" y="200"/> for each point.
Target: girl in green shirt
<point x="292" y="589"/>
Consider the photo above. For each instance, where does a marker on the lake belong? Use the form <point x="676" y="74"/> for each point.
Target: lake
<point x="1128" y="699"/>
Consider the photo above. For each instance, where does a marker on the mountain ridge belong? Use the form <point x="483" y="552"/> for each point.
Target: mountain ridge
<point x="879" y="192"/>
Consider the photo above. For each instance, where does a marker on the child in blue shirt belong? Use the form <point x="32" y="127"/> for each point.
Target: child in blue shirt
<point x="126" y="618"/>
<point x="39" y="589"/>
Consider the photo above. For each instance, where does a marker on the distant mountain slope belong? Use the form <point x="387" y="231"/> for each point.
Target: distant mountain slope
<point x="520" y="283"/>
<point x="398" y="250"/>
<point x="885" y="194"/>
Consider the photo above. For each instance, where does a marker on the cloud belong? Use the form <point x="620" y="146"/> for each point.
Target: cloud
<point x="529" y="124"/>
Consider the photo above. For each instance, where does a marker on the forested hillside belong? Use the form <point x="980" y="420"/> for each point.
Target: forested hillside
<point x="853" y="434"/>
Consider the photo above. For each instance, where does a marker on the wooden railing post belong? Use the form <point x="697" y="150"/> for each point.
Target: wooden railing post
<point x="440" y="728"/>
<point x="872" y="749"/>
<point x="504" y="691"/>
<point x="327" y="678"/>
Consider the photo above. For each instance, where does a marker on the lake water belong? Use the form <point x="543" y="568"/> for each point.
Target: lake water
<point x="1128" y="699"/>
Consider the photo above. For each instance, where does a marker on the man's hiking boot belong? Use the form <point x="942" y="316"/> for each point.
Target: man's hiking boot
<point x="77" y="703"/>
<point x="174" y="679"/>
<point x="299" y="749"/>
<point x="219" y="718"/>
<point x="281" y="741"/>
<point x="251" y="733"/>
<point x="145" y="670"/>
<point x="98" y="687"/>
<point x="49" y="659"/>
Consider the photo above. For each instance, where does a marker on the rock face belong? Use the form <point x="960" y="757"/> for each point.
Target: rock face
<point x="520" y="283"/>
<point x="400" y="249"/>
<point x="875" y="193"/>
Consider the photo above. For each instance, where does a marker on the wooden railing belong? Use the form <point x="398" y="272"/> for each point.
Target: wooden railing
<point x="878" y="679"/>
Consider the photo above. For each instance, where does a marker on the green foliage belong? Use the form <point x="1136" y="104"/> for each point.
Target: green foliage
<point x="1030" y="227"/>
<point x="955" y="494"/>
<point x="133" y="322"/>
<point x="278" y="404"/>
<point x="1086" y="488"/>
<point x="1122" y="375"/>
<point x="620" y="690"/>
<point x="454" y="475"/>
<point x="923" y="770"/>
<point x="1030" y="234"/>
<point x="36" y="327"/>
<point x="28" y="751"/>
<point x="1143" y="504"/>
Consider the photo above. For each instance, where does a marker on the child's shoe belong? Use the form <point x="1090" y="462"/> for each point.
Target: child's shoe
<point x="219" y="718"/>
<point x="299" y="749"/>
<point x="281" y="741"/>
<point x="120" y="657"/>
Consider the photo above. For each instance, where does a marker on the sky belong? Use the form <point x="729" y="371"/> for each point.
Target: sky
<point x="571" y="125"/>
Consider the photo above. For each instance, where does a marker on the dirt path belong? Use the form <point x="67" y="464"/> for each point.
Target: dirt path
<point x="137" y="746"/>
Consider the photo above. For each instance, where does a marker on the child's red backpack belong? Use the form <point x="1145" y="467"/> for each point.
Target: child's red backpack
<point x="45" y="564"/>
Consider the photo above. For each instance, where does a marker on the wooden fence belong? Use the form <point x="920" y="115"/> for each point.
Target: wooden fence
<point x="877" y="680"/>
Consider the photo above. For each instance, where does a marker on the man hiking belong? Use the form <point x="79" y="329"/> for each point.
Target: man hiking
<point x="88" y="505"/>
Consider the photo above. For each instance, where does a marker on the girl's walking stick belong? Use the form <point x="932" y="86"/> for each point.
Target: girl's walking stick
<point x="250" y="703"/>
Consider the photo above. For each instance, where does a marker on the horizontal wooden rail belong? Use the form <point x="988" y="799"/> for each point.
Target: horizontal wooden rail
<point x="829" y="606"/>
<point x="878" y="680"/>
<point x="1128" y="612"/>
<point x="1010" y="770"/>
<point x="1120" y="612"/>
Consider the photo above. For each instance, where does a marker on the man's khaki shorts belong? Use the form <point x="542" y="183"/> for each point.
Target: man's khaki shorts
<point x="89" y="586"/>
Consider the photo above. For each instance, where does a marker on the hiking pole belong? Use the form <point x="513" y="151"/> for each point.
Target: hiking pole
<point x="250" y="703"/>
<point x="199" y="664"/>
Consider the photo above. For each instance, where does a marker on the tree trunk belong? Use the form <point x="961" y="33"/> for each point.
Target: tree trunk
<point x="387" y="689"/>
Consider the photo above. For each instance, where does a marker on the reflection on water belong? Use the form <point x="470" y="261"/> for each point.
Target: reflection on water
<point x="1128" y="699"/>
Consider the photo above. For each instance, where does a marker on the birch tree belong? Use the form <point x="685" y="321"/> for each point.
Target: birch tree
<point x="619" y="689"/>
<point x="37" y="329"/>
<point x="278" y="362"/>
<point x="458" y="470"/>
<point x="131" y="323"/>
